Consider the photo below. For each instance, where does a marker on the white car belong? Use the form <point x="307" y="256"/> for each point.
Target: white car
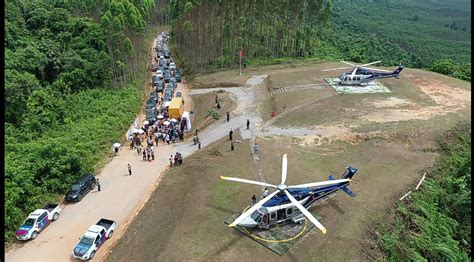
<point x="94" y="237"/>
<point x="159" y="73"/>
<point x="37" y="221"/>
<point x="172" y="66"/>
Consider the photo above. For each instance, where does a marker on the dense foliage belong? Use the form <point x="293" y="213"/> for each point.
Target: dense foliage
<point x="211" y="33"/>
<point x="435" y="224"/>
<point x="69" y="69"/>
<point x="421" y="34"/>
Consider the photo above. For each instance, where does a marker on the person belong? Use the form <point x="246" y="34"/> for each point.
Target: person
<point x="228" y="116"/>
<point x="254" y="200"/>
<point x="218" y="105"/>
<point x="98" y="184"/>
<point x="129" y="169"/>
<point x="245" y="65"/>
<point x="230" y="134"/>
<point x="199" y="144"/>
<point x="231" y="145"/>
<point x="217" y="99"/>
<point x="248" y="124"/>
<point x="139" y="149"/>
<point x="152" y="152"/>
<point x="171" y="161"/>
<point x="148" y="153"/>
<point x="265" y="193"/>
<point x="255" y="148"/>
<point x="116" y="150"/>
<point x="176" y="157"/>
<point x="144" y="155"/>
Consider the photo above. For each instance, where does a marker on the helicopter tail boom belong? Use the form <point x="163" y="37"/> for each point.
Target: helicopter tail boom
<point x="348" y="174"/>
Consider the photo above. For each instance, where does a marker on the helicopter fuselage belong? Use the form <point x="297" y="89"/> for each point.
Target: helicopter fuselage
<point x="363" y="76"/>
<point x="280" y="209"/>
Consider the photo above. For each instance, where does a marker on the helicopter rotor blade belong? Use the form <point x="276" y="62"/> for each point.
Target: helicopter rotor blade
<point x="305" y="212"/>
<point x="235" y="179"/>
<point x="322" y="183"/>
<point x="348" y="63"/>
<point x="253" y="208"/>
<point x="376" y="69"/>
<point x="284" y="168"/>
<point x="353" y="73"/>
<point x="376" y="62"/>
<point x="339" y="68"/>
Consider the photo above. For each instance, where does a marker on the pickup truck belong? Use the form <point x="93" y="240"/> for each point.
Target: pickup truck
<point x="94" y="237"/>
<point x="37" y="221"/>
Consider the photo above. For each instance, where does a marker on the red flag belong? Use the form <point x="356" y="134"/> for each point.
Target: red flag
<point x="241" y="53"/>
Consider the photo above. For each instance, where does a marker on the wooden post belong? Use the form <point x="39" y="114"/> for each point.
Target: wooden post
<point x="421" y="181"/>
<point x="409" y="192"/>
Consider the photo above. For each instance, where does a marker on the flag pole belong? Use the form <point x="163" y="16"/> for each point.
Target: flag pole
<point x="240" y="63"/>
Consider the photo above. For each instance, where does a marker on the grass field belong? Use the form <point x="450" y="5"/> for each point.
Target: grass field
<point x="388" y="137"/>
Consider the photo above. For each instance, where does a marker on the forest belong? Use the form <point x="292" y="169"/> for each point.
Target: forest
<point x="71" y="90"/>
<point x="424" y="34"/>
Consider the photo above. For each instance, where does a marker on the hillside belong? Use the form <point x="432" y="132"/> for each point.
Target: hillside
<point x="71" y="91"/>
<point x="426" y="34"/>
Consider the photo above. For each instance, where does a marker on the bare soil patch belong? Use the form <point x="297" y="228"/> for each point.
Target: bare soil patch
<point x="203" y="102"/>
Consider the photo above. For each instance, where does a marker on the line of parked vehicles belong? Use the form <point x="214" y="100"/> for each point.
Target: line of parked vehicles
<point x="165" y="79"/>
<point x="94" y="237"/>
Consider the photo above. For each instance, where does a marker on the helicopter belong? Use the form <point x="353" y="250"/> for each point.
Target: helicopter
<point x="362" y="75"/>
<point x="290" y="203"/>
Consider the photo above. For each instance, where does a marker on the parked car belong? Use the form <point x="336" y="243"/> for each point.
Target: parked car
<point x="159" y="73"/>
<point x="178" y="78"/>
<point x="37" y="221"/>
<point x="94" y="237"/>
<point x="172" y="66"/>
<point x="160" y="86"/>
<point x="155" y="80"/>
<point x="166" y="53"/>
<point x="161" y="62"/>
<point x="150" y="115"/>
<point x="82" y="186"/>
<point x="154" y="67"/>
<point x="173" y="80"/>
<point x="178" y="94"/>
<point x="171" y="86"/>
<point x="168" y="95"/>
<point x="167" y="78"/>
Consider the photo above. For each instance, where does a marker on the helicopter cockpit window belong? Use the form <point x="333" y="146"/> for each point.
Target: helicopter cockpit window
<point x="256" y="216"/>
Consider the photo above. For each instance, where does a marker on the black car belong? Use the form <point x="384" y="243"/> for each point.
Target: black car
<point x="168" y="97"/>
<point x="178" y="94"/>
<point x="150" y="116"/>
<point x="167" y="78"/>
<point x="161" y="62"/>
<point x="171" y="86"/>
<point x="166" y="53"/>
<point x="82" y="186"/>
<point x="154" y="67"/>
<point x="154" y="80"/>
<point x="178" y="78"/>
<point x="160" y="86"/>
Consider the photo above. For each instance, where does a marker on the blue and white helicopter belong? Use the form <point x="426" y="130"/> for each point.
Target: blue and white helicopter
<point x="290" y="202"/>
<point x="363" y="75"/>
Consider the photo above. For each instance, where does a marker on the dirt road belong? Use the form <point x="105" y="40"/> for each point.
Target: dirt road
<point x="121" y="198"/>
